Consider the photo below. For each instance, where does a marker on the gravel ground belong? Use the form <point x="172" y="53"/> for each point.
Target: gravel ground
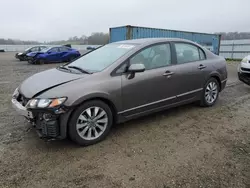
<point x="187" y="146"/>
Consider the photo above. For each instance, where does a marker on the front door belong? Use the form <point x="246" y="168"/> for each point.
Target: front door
<point x="153" y="88"/>
<point x="53" y="54"/>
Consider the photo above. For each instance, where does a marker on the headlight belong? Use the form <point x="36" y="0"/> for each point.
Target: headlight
<point x="245" y="60"/>
<point x="43" y="103"/>
<point x="46" y="103"/>
<point x="19" y="53"/>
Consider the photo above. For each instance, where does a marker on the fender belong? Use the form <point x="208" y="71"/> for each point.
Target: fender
<point x="215" y="74"/>
<point x="93" y="95"/>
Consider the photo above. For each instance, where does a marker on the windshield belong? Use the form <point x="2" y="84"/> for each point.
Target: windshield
<point x="101" y="58"/>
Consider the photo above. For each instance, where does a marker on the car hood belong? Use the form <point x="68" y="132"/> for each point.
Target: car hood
<point x="43" y="81"/>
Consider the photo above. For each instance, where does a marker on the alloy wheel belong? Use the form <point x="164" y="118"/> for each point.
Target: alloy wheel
<point x="92" y="123"/>
<point x="211" y="92"/>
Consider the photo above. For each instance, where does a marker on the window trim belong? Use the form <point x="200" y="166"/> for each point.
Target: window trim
<point x="184" y="42"/>
<point x="205" y="57"/>
<point x="114" y="73"/>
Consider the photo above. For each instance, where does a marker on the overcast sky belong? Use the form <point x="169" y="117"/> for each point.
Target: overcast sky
<point x="45" y="20"/>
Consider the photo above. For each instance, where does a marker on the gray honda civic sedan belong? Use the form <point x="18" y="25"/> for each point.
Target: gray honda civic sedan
<point x="118" y="82"/>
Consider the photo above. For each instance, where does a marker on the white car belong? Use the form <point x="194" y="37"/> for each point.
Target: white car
<point x="244" y="70"/>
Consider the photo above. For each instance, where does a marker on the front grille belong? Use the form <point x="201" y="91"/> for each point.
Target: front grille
<point x="48" y="126"/>
<point x="245" y="69"/>
<point x="22" y="99"/>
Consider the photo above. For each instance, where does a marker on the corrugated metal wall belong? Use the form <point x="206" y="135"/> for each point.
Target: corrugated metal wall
<point x="235" y="49"/>
<point x="211" y="41"/>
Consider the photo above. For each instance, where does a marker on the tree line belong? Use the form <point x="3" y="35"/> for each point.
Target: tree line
<point x="99" y="38"/>
<point x="94" y="39"/>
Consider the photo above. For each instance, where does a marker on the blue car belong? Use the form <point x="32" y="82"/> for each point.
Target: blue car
<point x="56" y="54"/>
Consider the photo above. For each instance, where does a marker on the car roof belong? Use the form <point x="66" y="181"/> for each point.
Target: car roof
<point x="58" y="46"/>
<point x="151" y="40"/>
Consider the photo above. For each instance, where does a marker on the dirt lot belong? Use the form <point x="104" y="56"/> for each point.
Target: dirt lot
<point x="187" y="146"/>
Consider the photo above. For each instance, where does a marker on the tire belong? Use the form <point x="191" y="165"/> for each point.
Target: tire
<point x="210" y="93"/>
<point x="88" y="126"/>
<point x="40" y="61"/>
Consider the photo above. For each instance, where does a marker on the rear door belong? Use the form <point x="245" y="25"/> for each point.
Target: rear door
<point x="64" y="53"/>
<point x="190" y="70"/>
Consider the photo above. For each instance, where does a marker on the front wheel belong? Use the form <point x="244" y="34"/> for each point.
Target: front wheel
<point x="41" y="61"/>
<point x="90" y="123"/>
<point x="210" y="93"/>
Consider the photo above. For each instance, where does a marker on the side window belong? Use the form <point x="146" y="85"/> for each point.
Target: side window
<point x="186" y="53"/>
<point x="153" y="57"/>
<point x="54" y="50"/>
<point x="122" y="68"/>
<point x="63" y="49"/>
<point x="202" y="55"/>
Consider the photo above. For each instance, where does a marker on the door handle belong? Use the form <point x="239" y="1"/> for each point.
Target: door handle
<point x="201" y="67"/>
<point x="168" y="74"/>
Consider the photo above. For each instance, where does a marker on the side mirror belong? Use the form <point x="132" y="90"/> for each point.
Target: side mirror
<point x="136" y="68"/>
<point x="48" y="52"/>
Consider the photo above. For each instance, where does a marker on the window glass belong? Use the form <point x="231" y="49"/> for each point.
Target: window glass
<point x="53" y="50"/>
<point x="63" y="49"/>
<point x="102" y="57"/>
<point x="35" y="49"/>
<point x="122" y="68"/>
<point x="42" y="48"/>
<point x="153" y="57"/>
<point x="186" y="53"/>
<point x="202" y="55"/>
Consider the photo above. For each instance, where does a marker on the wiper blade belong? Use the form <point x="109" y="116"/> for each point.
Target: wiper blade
<point x="80" y="69"/>
<point x="63" y="67"/>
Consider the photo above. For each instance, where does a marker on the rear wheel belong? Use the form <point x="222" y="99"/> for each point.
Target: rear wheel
<point x="90" y="123"/>
<point x="210" y="93"/>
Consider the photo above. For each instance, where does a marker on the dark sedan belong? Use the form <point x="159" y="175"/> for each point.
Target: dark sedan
<point x="118" y="82"/>
<point x="22" y="56"/>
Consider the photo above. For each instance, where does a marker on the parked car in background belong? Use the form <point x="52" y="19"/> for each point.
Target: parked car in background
<point x="91" y="48"/>
<point x="22" y="56"/>
<point x="118" y="82"/>
<point x="244" y="70"/>
<point x="53" y="54"/>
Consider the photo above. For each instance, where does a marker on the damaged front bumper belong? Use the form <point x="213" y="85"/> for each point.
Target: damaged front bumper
<point x="49" y="124"/>
<point x="31" y="60"/>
